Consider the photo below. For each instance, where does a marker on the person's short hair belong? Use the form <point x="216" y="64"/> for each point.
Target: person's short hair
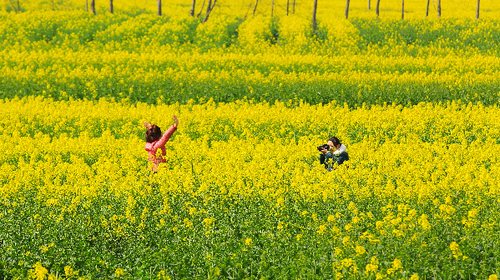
<point x="153" y="133"/>
<point x="335" y="141"/>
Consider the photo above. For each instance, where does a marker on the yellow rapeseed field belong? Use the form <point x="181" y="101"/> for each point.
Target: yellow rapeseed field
<point x="242" y="193"/>
<point x="419" y="178"/>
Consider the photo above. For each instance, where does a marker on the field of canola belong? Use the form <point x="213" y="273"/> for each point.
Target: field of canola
<point x="242" y="194"/>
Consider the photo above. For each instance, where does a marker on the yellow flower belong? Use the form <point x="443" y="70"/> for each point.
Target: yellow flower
<point x="347" y="262"/>
<point x="346" y="241"/>
<point x="248" y="241"/>
<point x="352" y="206"/>
<point x="424" y="222"/>
<point x="162" y="275"/>
<point x="280" y="225"/>
<point x="38" y="272"/>
<point x="187" y="223"/>
<point x="119" y="272"/>
<point x="338" y="252"/>
<point x="46" y="248"/>
<point x="457" y="253"/>
<point x="414" y="277"/>
<point x="360" y="250"/>
<point x="208" y="222"/>
<point x="371" y="268"/>
<point x="70" y="272"/>
<point x="397" y="264"/>
<point x="321" y="229"/>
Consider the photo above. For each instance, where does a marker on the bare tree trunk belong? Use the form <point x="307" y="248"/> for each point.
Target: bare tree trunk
<point x="287" y="7"/>
<point x="439" y="8"/>
<point x="92" y="6"/>
<point x="111" y="6"/>
<point x="201" y="10"/>
<point x="402" y="9"/>
<point x="377" y="9"/>
<point x="255" y="7"/>
<point x="427" y="10"/>
<point x="18" y="6"/>
<point x="208" y="10"/>
<point x="315" y="9"/>
<point x="293" y="7"/>
<point x="193" y="5"/>
<point x="369" y="5"/>
<point x="159" y="7"/>
<point x="86" y="5"/>
<point x="272" y="8"/>
<point x="246" y="14"/>
<point x="210" y="7"/>
<point x="14" y="6"/>
<point x="347" y="9"/>
<point x="477" y="10"/>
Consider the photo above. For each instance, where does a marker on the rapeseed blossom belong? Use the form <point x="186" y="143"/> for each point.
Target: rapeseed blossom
<point x="272" y="159"/>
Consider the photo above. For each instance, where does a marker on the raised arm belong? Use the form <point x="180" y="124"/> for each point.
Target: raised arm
<point x="166" y="136"/>
<point x="176" y="120"/>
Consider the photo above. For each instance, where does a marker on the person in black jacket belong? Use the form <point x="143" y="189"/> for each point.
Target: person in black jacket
<point x="333" y="150"/>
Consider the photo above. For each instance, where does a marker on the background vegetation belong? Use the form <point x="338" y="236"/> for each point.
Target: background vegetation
<point x="176" y="58"/>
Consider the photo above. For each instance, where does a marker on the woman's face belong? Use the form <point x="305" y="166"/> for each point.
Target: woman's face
<point x="330" y="143"/>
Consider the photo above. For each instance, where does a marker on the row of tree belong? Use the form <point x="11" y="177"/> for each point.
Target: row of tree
<point x="210" y="6"/>
<point x="377" y="9"/>
<point x="212" y="3"/>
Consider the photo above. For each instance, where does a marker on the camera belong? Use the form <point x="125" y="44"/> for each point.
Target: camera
<point x="324" y="146"/>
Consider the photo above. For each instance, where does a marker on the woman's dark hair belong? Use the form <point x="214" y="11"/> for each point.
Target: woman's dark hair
<point x="335" y="141"/>
<point x="153" y="133"/>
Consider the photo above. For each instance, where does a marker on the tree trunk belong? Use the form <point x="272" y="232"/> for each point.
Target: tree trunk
<point x="201" y="10"/>
<point x="111" y="6"/>
<point x="402" y="9"/>
<point x="287" y="7"/>
<point x="14" y="6"/>
<point x="210" y="7"/>
<point x="86" y="5"/>
<point x="427" y="10"/>
<point x="208" y="11"/>
<point x="439" y="8"/>
<point x="159" y="7"/>
<point x="293" y="7"/>
<point x="347" y="9"/>
<point x="315" y="8"/>
<point x="369" y="5"/>
<point x="272" y="8"/>
<point x="377" y="9"/>
<point x="92" y="6"/>
<point x="255" y="7"/>
<point x="477" y="10"/>
<point x="193" y="5"/>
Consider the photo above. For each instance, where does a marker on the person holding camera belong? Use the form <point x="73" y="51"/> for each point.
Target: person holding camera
<point x="333" y="150"/>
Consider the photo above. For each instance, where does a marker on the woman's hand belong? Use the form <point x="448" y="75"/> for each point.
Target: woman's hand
<point x="176" y="121"/>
